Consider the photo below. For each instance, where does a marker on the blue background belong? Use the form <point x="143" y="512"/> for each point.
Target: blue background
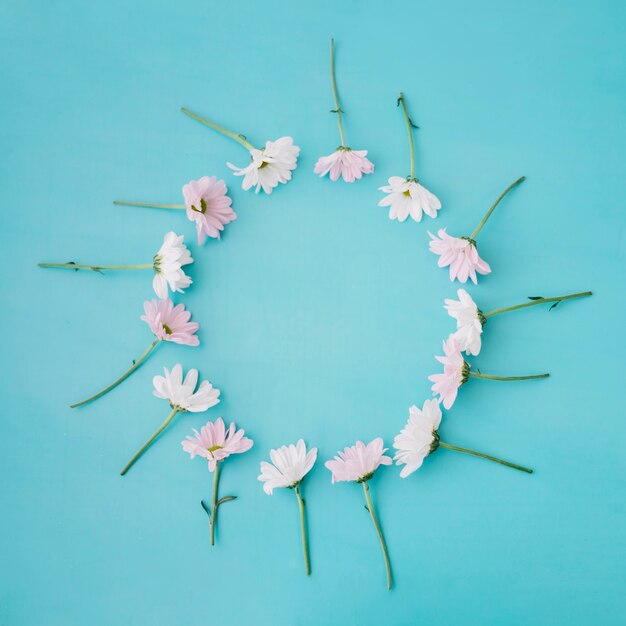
<point x="319" y="315"/>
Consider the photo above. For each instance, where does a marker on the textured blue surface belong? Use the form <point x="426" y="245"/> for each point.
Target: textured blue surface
<point x="319" y="315"/>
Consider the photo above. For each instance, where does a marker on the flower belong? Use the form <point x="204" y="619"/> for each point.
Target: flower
<point x="208" y="206"/>
<point x="407" y="197"/>
<point x="214" y="443"/>
<point x="169" y="322"/>
<point x="358" y="462"/>
<point x="168" y="262"/>
<point x="418" y="438"/>
<point x="455" y="373"/>
<point x="289" y="466"/>
<point x="181" y="393"/>
<point x="469" y="322"/>
<point x="461" y="254"/>
<point x="269" y="166"/>
<point x="345" y="162"/>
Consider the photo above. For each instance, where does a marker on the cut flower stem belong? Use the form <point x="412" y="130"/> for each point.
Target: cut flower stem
<point x="148" y="443"/>
<point x="214" y="505"/>
<point x="220" y="129"/>
<point x="409" y="128"/>
<point x="494" y="205"/>
<point x="582" y="294"/>
<point x="333" y="83"/>
<point x="96" y="268"/>
<point x="491" y="377"/>
<point x="149" y="205"/>
<point x="122" y="378"/>
<point x="305" y="545"/>
<point x="383" y="545"/>
<point x="521" y="468"/>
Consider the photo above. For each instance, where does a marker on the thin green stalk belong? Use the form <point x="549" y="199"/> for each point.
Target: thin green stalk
<point x="305" y="545"/>
<point x="220" y="129"/>
<point x="122" y="378"/>
<point x="148" y="443"/>
<point x="333" y="82"/>
<point x="582" y="294"/>
<point x="216" y="481"/>
<point x="96" y="268"/>
<point x="149" y="205"/>
<point x="409" y="128"/>
<point x="494" y="205"/>
<point x="383" y="545"/>
<point x="521" y="468"/>
<point x="490" y="377"/>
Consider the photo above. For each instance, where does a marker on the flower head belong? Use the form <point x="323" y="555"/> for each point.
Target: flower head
<point x="289" y="466"/>
<point x="208" y="206"/>
<point x="269" y="166"/>
<point x="214" y="443"/>
<point x="358" y="462"/>
<point x="345" y="162"/>
<point x="469" y="322"/>
<point x="182" y="394"/>
<point x="455" y="373"/>
<point x="418" y="438"/>
<point x="170" y="323"/>
<point x="407" y="197"/>
<point x="168" y="263"/>
<point x="461" y="254"/>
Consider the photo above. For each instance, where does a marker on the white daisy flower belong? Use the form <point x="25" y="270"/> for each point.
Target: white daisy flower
<point x="469" y="322"/>
<point x="290" y="464"/>
<point x="407" y="197"/>
<point x="168" y="263"/>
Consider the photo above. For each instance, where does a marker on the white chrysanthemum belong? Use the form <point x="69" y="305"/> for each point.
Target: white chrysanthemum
<point x="468" y="322"/>
<point x="182" y="394"/>
<point x="168" y="263"/>
<point x="270" y="166"/>
<point x="407" y="197"/>
<point x="416" y="439"/>
<point x="289" y="466"/>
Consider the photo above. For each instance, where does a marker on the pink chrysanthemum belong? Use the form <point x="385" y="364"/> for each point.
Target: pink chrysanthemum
<point x="214" y="443"/>
<point x="461" y="254"/>
<point x="170" y="323"/>
<point x="345" y="162"/>
<point x="208" y="206"/>
<point x="358" y="462"/>
<point x="455" y="372"/>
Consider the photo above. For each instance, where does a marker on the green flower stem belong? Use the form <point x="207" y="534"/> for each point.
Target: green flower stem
<point x="383" y="545"/>
<point x="494" y="205"/>
<point x="409" y="128"/>
<point x="521" y="468"/>
<point x="333" y="83"/>
<point x="305" y="545"/>
<point x="122" y="378"/>
<point x="220" y="129"/>
<point x="148" y="443"/>
<point x="490" y="377"/>
<point x="216" y="482"/>
<point x="582" y="294"/>
<point x="149" y="205"/>
<point x="97" y="268"/>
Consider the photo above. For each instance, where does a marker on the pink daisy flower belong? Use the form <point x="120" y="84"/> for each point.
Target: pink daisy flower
<point x="461" y="254"/>
<point x="170" y="323"/>
<point x="358" y="463"/>
<point x="345" y="162"/>
<point x="208" y="206"/>
<point x="455" y="373"/>
<point x="215" y="443"/>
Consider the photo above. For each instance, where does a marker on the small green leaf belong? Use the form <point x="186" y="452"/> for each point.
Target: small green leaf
<point x="365" y="506"/>
<point x="412" y="124"/>
<point x="535" y="297"/>
<point x="555" y="304"/>
<point x="207" y="510"/>
<point x="226" y="499"/>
